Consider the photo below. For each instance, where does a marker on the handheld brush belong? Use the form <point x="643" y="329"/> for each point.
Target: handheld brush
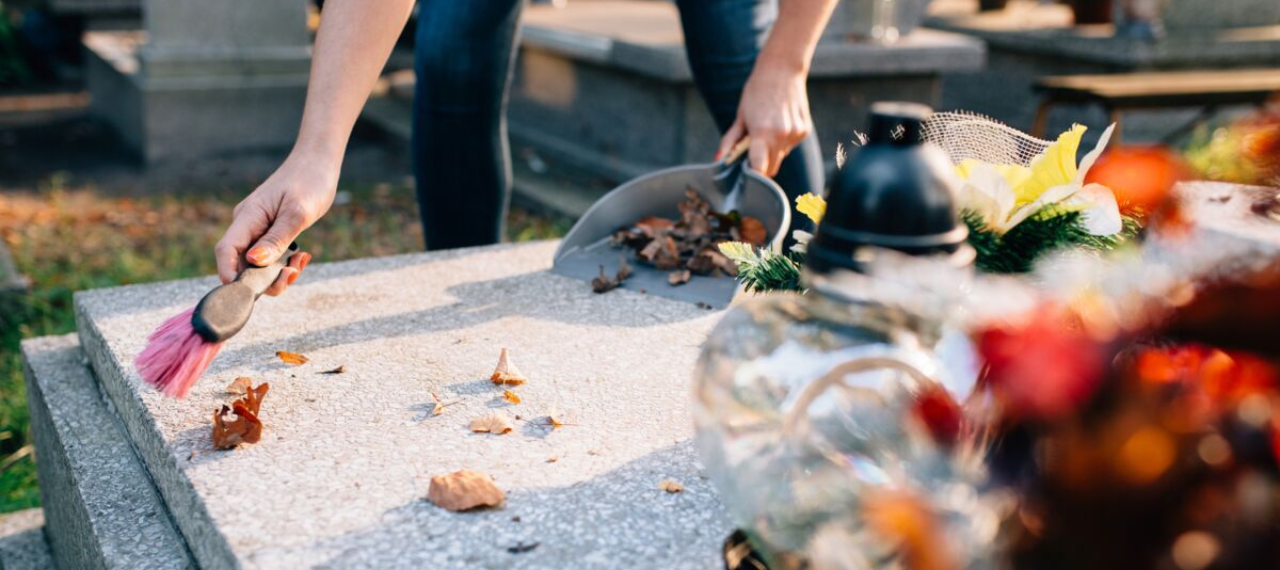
<point x="181" y="349"/>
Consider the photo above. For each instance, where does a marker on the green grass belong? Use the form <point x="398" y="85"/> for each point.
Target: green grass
<point x="71" y="239"/>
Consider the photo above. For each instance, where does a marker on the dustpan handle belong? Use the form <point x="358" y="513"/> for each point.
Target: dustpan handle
<point x="737" y="152"/>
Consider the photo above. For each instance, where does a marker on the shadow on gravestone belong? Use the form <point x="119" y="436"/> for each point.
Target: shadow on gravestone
<point x="619" y="519"/>
<point x="537" y="295"/>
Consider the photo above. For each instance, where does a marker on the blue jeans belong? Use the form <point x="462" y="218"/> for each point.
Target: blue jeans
<point x="464" y="51"/>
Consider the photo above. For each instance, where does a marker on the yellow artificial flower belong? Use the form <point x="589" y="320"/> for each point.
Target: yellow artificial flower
<point x="812" y="205"/>
<point x="1055" y="167"/>
<point x="1014" y="174"/>
<point x="1003" y="196"/>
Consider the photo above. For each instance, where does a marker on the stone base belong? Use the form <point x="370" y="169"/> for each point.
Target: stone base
<point x="1029" y="40"/>
<point x="180" y="116"/>
<point x="11" y="280"/>
<point x="606" y="86"/>
<point x="22" y="542"/>
<point x="101" y="508"/>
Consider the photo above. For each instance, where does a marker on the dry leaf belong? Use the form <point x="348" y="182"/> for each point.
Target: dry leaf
<point x="510" y="397"/>
<point x="341" y="369"/>
<point x="292" y="358"/>
<point x="603" y="283"/>
<point x="679" y="277"/>
<point x="240" y="385"/>
<point x="438" y="408"/>
<point x="464" y="490"/>
<point x="496" y="424"/>
<point x="753" y="231"/>
<point x="671" y="486"/>
<point x="239" y="423"/>
<point x="553" y="459"/>
<point x="554" y="422"/>
<point x="506" y="373"/>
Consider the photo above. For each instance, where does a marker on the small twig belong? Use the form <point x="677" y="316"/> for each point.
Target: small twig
<point x="15" y="457"/>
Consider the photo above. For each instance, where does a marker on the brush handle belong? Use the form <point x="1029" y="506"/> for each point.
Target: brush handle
<point x="226" y="309"/>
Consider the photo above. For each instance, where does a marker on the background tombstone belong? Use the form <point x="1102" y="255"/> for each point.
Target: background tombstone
<point x="203" y="78"/>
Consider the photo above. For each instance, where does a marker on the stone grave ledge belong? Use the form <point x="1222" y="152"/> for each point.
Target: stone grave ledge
<point x="102" y="509"/>
<point x="646" y="38"/>
<point x="340" y="476"/>
<point x="1048" y="30"/>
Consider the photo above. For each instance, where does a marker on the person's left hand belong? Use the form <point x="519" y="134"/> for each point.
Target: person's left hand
<point x="774" y="112"/>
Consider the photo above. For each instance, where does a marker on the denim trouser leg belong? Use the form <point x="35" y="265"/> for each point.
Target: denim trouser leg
<point x="464" y="51"/>
<point x="463" y="55"/>
<point x="723" y="38"/>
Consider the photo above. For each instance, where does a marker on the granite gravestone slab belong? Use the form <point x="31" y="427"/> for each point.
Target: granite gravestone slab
<point x="340" y="477"/>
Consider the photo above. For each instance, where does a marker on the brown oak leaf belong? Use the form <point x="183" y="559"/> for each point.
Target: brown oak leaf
<point x="753" y="231"/>
<point x="292" y="358"/>
<point x="239" y="423"/>
<point x="465" y="490"/>
<point x="506" y="373"/>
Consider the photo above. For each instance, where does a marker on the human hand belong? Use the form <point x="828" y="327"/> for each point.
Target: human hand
<point x="774" y="112"/>
<point x="269" y="219"/>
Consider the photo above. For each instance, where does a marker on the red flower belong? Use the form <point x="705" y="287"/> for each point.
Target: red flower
<point x="1044" y="368"/>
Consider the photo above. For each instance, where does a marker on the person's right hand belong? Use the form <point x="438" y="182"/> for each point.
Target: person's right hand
<point x="268" y="220"/>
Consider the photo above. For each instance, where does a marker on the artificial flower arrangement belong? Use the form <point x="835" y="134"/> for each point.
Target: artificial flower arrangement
<point x="1015" y="213"/>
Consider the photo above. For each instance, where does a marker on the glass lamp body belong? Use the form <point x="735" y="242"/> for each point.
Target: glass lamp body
<point x="804" y="410"/>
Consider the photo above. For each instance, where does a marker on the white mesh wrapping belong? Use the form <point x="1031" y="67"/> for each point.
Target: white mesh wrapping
<point x="966" y="135"/>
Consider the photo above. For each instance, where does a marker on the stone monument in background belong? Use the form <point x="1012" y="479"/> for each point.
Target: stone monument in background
<point x="203" y="78"/>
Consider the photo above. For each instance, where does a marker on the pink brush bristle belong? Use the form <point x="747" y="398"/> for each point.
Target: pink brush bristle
<point x="175" y="356"/>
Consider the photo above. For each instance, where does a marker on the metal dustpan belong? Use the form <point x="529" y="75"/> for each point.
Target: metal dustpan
<point x="727" y="185"/>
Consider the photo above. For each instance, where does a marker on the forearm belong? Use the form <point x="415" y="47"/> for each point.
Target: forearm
<point x="352" y="46"/>
<point x="795" y="35"/>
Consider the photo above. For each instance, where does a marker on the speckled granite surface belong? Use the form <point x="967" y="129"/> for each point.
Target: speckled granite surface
<point x="22" y="543"/>
<point x="101" y="509"/>
<point x="339" y="478"/>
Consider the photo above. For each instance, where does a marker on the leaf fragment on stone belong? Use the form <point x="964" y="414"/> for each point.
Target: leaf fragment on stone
<point x="554" y="422"/>
<point x="496" y="424"/>
<point x="510" y="397"/>
<point x="240" y="385"/>
<point x="292" y="358"/>
<point x="341" y="369"/>
<point x="465" y="490"/>
<point x="506" y="374"/>
<point x="239" y="423"/>
<point x="438" y="405"/>
<point x="671" y="486"/>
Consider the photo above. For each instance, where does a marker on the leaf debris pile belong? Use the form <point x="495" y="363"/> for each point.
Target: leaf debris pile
<point x="239" y="423"/>
<point x="464" y="491"/>
<point x="690" y="246"/>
